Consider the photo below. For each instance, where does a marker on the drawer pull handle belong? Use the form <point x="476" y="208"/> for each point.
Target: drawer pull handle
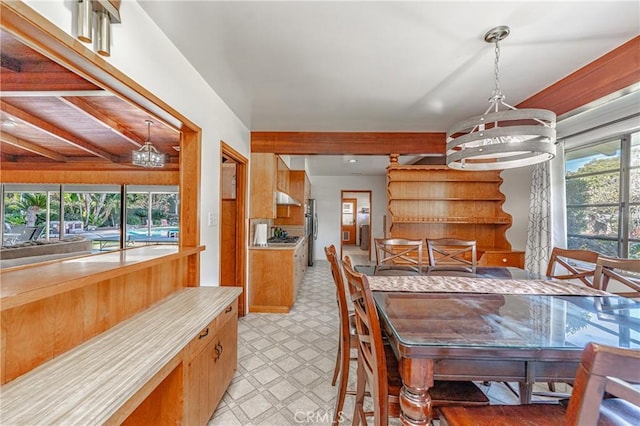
<point x="504" y="259"/>
<point x="219" y="349"/>
<point x="229" y="309"/>
<point x="204" y="334"/>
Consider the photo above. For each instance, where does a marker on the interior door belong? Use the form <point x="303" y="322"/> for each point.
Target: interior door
<point x="349" y="208"/>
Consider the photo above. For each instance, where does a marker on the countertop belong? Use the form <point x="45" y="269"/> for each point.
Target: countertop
<point x="88" y="384"/>
<point x="279" y="246"/>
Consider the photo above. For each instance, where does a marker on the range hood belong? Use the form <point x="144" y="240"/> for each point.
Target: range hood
<point x="282" y="198"/>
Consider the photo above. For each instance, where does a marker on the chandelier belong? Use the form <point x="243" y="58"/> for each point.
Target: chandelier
<point x="148" y="155"/>
<point x="504" y="136"/>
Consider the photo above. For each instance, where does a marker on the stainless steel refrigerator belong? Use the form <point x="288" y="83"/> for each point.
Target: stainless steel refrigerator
<point x="311" y="228"/>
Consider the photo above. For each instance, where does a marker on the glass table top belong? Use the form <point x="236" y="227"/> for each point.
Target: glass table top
<point x="509" y="321"/>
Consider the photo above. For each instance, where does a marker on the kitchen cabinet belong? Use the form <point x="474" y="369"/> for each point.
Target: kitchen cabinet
<point x="438" y="202"/>
<point x="275" y="275"/>
<point x="213" y="359"/>
<point x="263" y="186"/>
<point x="282" y="173"/>
<point x="294" y="215"/>
<point x="269" y="174"/>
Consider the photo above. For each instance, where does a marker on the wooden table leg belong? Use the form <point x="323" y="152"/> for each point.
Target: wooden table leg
<point x="526" y="387"/>
<point x="415" y="402"/>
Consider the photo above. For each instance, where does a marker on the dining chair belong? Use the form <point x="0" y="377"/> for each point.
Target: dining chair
<point x="618" y="271"/>
<point x="452" y="254"/>
<point x="572" y="264"/>
<point x="378" y="366"/>
<point x="347" y="336"/>
<point x="602" y="369"/>
<point x="398" y="256"/>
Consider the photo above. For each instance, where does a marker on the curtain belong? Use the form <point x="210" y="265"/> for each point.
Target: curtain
<point x="539" y="230"/>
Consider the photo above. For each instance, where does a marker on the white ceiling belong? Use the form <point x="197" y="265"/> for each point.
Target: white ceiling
<point x="384" y="66"/>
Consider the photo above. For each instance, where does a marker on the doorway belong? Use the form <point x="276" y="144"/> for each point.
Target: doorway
<point x="233" y="194"/>
<point x="355" y="226"/>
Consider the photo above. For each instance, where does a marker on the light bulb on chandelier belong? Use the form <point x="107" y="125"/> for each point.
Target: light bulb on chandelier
<point x="148" y="155"/>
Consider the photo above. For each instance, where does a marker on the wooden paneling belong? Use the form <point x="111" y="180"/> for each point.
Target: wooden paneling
<point x="49" y="319"/>
<point x="338" y="143"/>
<point x="612" y="72"/>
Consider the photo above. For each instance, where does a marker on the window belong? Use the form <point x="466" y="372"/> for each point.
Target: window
<point x="603" y="196"/>
<point x="91" y="212"/>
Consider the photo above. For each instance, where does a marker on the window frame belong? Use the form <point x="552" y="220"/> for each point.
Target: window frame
<point x="623" y="239"/>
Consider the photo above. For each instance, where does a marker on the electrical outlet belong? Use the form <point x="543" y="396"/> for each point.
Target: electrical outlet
<point x="212" y="219"/>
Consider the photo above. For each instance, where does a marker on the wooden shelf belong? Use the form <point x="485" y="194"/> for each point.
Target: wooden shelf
<point x="445" y="220"/>
<point x="396" y="199"/>
<point x="438" y="202"/>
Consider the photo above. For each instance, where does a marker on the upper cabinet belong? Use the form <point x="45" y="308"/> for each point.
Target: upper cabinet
<point x="282" y="183"/>
<point x="263" y="185"/>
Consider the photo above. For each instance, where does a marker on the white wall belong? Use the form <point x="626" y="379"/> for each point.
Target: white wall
<point x="141" y="51"/>
<point x="327" y="192"/>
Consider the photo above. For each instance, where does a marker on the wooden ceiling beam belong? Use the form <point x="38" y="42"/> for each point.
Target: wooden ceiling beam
<point x="9" y="64"/>
<point x="56" y="132"/>
<point x="100" y="117"/>
<point x="355" y="143"/>
<point x="31" y="147"/>
<point x="43" y="81"/>
<point x="612" y="72"/>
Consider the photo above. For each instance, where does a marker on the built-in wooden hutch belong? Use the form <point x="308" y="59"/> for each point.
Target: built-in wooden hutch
<point x="438" y="202"/>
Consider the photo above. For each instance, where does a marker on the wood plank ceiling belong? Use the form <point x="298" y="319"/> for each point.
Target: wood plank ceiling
<point x="51" y="117"/>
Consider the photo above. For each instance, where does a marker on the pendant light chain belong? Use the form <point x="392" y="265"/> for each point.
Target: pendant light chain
<point x="497" y="92"/>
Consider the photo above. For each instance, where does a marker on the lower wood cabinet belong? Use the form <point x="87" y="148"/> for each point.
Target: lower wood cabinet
<point x="275" y="275"/>
<point x="212" y="359"/>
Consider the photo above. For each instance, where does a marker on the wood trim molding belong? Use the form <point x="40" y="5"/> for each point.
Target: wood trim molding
<point x="46" y="38"/>
<point x="608" y="74"/>
<point x="338" y="143"/>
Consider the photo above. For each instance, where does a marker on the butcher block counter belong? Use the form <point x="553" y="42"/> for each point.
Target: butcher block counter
<point x="275" y="275"/>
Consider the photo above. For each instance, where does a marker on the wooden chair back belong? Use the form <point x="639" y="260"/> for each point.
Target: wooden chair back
<point x="447" y="254"/>
<point x="347" y="336"/>
<point x="341" y="295"/>
<point x="371" y="354"/>
<point x="568" y="260"/>
<point x="603" y="369"/>
<point x="399" y="255"/>
<point x="625" y="272"/>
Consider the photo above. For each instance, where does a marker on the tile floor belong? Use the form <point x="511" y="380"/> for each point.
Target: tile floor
<point x="286" y="361"/>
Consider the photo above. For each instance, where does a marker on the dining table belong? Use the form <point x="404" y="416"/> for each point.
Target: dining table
<point x="500" y="324"/>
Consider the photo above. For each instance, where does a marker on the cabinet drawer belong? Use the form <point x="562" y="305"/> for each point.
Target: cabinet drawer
<point x="506" y="258"/>
<point x="229" y="312"/>
<point x="204" y="337"/>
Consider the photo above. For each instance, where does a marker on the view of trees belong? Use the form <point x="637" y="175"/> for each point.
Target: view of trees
<point x="93" y="209"/>
<point x="593" y="196"/>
